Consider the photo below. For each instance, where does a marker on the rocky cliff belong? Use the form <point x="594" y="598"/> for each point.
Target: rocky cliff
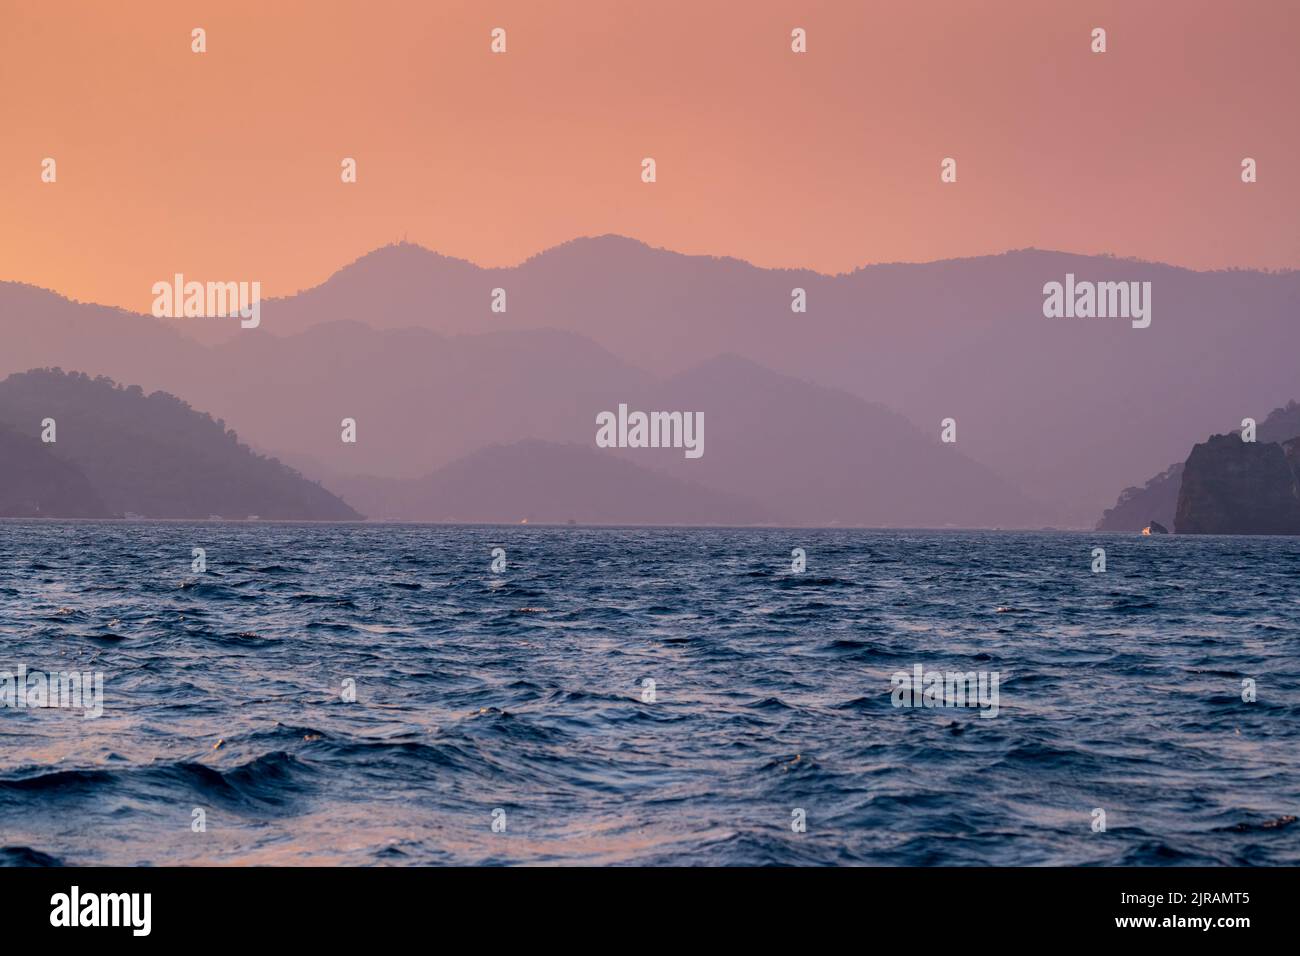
<point x="1235" y="487"/>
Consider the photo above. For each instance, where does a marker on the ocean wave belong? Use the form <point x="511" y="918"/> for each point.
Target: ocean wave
<point x="649" y="696"/>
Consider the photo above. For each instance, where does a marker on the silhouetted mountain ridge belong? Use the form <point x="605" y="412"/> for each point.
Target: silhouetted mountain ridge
<point x="153" y="454"/>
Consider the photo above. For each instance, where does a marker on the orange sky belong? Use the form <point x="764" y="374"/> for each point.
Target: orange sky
<point x="226" y="165"/>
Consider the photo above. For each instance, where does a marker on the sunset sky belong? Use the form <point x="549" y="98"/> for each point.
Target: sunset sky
<point x="226" y="165"/>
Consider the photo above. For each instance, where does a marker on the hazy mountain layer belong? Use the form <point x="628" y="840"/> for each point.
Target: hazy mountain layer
<point x="405" y="341"/>
<point x="542" y="482"/>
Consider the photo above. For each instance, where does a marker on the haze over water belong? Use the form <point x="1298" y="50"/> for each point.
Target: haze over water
<point x="523" y="691"/>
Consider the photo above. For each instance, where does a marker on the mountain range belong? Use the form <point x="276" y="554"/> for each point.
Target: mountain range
<point x="827" y="416"/>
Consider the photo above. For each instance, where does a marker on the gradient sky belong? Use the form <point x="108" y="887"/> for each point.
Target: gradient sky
<point x="226" y="165"/>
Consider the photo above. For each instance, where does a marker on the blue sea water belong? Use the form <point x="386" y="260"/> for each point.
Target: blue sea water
<point x="522" y="692"/>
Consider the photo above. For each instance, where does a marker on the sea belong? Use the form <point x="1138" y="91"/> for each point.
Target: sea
<point x="366" y="694"/>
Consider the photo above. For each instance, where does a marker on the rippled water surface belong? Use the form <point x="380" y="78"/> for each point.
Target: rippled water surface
<point x="523" y="691"/>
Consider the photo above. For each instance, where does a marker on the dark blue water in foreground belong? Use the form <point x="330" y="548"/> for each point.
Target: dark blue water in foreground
<point x="522" y="691"/>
